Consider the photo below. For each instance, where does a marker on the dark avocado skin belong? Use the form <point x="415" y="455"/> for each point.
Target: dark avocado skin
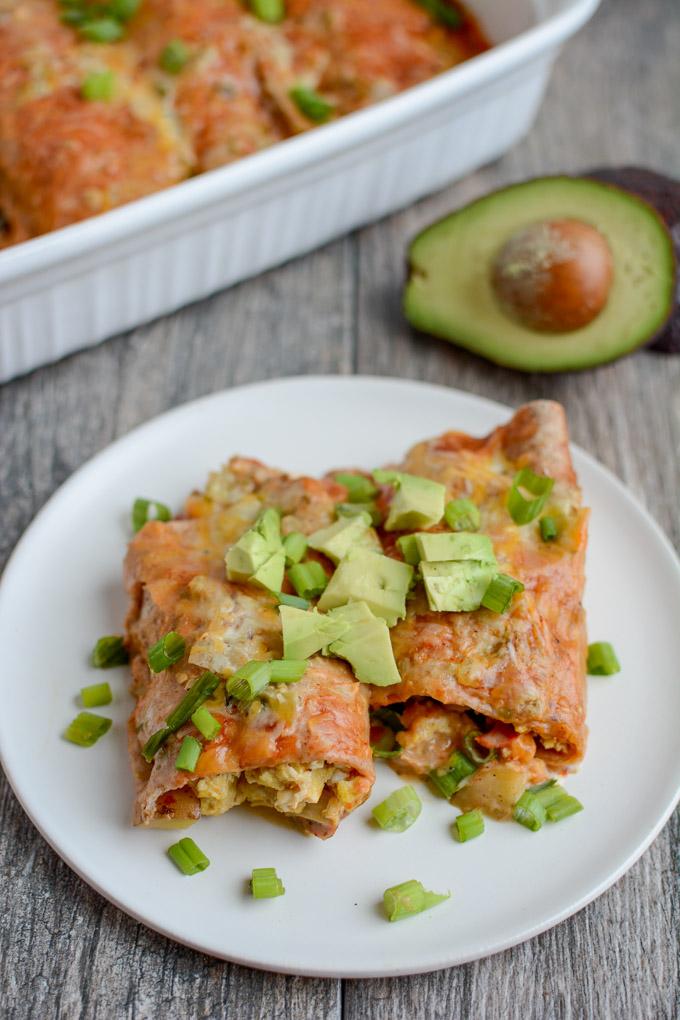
<point x="665" y="328"/>
<point x="663" y="193"/>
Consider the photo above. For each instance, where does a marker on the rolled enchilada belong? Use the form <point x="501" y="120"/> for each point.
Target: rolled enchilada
<point x="516" y="679"/>
<point x="302" y="748"/>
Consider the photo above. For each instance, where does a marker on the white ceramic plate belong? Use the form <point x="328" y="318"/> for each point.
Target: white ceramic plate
<point x="62" y="590"/>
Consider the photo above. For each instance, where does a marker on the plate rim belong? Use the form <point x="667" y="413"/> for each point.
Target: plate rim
<point x="495" y="407"/>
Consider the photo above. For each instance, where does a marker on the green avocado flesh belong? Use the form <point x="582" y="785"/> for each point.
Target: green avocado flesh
<point x="449" y="292"/>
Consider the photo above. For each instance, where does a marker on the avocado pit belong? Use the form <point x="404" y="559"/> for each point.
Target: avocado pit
<point x="553" y="276"/>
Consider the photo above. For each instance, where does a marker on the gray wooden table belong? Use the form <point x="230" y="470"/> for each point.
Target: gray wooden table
<point x="66" y="952"/>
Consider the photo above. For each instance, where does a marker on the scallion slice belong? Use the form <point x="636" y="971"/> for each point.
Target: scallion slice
<point x="166" y="652"/>
<point x="144" y="510"/>
<point x="287" y="671"/>
<point x="292" y="600"/>
<point x="249" y="680"/>
<point x="174" y="57"/>
<point x="563" y="808"/>
<point x="548" y="527"/>
<point x="469" y="825"/>
<point x="359" y="489"/>
<point x="206" y="723"/>
<point x="189" y="753"/>
<point x="96" y="695"/>
<point x="309" y="579"/>
<point x="500" y="592"/>
<point x="101" y="30"/>
<point x="310" y="104"/>
<point x="99" y="86"/>
<point x="265" y="884"/>
<point x="110" y="651"/>
<point x="472" y="749"/>
<point x="188" y="857"/>
<point x="123" y="10"/>
<point x="602" y="660"/>
<point x="529" y="811"/>
<point x="399" y="811"/>
<point x="295" y="547"/>
<point x="448" y="780"/>
<point x="442" y="11"/>
<point x="410" y="898"/>
<point x="86" y="729"/>
<point x="462" y="515"/>
<point x="271" y="11"/>
<point x="206" y="685"/>
<point x="523" y="510"/>
<point x="408" y="547"/>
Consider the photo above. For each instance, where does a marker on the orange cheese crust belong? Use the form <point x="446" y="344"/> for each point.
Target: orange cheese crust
<point x="64" y="158"/>
<point x="525" y="667"/>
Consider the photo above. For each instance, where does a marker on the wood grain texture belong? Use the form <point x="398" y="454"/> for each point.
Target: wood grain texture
<point x="64" y="951"/>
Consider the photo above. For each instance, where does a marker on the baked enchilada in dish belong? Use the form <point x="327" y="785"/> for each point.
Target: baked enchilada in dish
<point x="102" y="103"/>
<point x="284" y="631"/>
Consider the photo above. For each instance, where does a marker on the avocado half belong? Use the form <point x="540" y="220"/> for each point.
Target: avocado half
<point x="450" y="292"/>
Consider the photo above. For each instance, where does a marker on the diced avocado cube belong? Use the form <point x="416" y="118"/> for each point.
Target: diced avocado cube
<point x="269" y="526"/>
<point x="306" y="632"/>
<point x="247" y="556"/>
<point x="347" y="533"/>
<point x="456" y="587"/>
<point x="461" y="545"/>
<point x="368" y="649"/>
<point x="347" y="616"/>
<point x="370" y="577"/>
<point x="417" y="502"/>
<point x="270" y="574"/>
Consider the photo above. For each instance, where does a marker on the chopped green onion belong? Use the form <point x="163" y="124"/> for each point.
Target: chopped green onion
<point x="75" y="16"/>
<point x="292" y="600"/>
<point x="174" y="57"/>
<point x="309" y="579"/>
<point x="123" y="10"/>
<point x="448" y="780"/>
<point x="248" y="681"/>
<point x="563" y="808"/>
<point x="462" y="515"/>
<point x="500" y="593"/>
<point x="166" y="652"/>
<point x="99" y="86"/>
<point x="188" y="857"/>
<point x="388" y="717"/>
<point x="109" y="651"/>
<point x="265" y="884"/>
<point x="144" y="510"/>
<point x="86" y="729"/>
<point x="354" y="509"/>
<point x="399" y="811"/>
<point x="96" y="695"/>
<point x="359" y="489"/>
<point x="443" y="12"/>
<point x="206" y="723"/>
<point x="287" y="671"/>
<point x="523" y="510"/>
<point x="379" y="752"/>
<point x="271" y="11"/>
<point x="409" y="898"/>
<point x="206" y="684"/>
<point x="310" y="104"/>
<point x="529" y="811"/>
<point x="189" y="753"/>
<point x="295" y="547"/>
<point x="101" y="30"/>
<point x="472" y="749"/>
<point x="548" y="526"/>
<point x="469" y="825"/>
<point x="602" y="660"/>
<point x="408" y="547"/>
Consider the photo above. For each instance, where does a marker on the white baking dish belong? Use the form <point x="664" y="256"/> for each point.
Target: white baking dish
<point x="78" y="285"/>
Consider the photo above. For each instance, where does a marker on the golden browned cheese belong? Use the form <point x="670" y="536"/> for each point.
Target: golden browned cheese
<point x="64" y="158"/>
<point x="525" y="667"/>
<point x="303" y="748"/>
